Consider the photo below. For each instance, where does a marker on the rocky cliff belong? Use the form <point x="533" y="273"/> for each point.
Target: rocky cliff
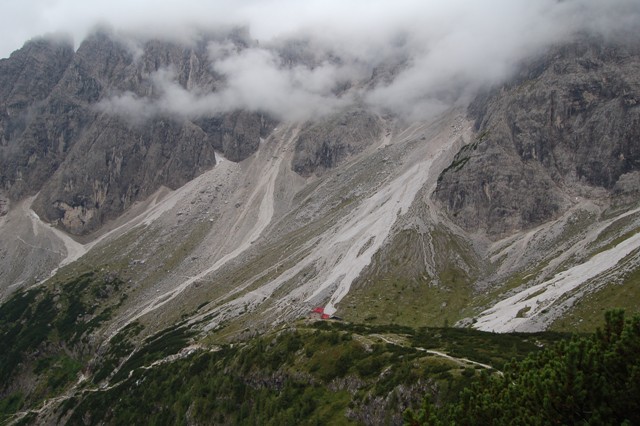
<point x="88" y="165"/>
<point x="326" y="144"/>
<point x="567" y="127"/>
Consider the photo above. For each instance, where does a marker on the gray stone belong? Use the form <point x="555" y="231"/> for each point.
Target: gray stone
<point x="568" y="123"/>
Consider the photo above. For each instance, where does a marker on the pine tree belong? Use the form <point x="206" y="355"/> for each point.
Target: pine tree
<point x="586" y="380"/>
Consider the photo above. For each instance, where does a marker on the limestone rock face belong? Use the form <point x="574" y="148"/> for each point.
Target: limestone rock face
<point x="324" y="145"/>
<point x="4" y="205"/>
<point x="27" y="79"/>
<point x="89" y="165"/>
<point x="237" y="135"/>
<point x="568" y="126"/>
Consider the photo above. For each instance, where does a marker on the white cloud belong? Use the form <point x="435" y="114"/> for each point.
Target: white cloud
<point x="254" y="80"/>
<point x="446" y="48"/>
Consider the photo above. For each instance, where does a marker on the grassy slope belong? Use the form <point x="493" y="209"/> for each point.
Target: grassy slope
<point x="402" y="291"/>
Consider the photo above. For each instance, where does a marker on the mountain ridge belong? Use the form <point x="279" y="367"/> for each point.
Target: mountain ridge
<point x="125" y="223"/>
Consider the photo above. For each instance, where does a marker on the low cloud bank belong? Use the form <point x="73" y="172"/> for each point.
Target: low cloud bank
<point x="424" y="56"/>
<point x="253" y="80"/>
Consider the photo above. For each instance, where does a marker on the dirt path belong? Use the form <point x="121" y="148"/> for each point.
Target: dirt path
<point x="460" y="361"/>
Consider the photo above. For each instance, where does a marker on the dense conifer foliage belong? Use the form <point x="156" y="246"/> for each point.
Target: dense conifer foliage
<point x="584" y="380"/>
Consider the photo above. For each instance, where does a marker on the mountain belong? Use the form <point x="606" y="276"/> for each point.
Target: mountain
<point x="566" y="128"/>
<point x="141" y="219"/>
<point x="88" y="167"/>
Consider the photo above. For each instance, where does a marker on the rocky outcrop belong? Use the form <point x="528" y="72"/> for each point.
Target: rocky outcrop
<point x="100" y="180"/>
<point x="30" y="74"/>
<point x="237" y="135"/>
<point x="325" y="144"/>
<point x="27" y="79"/>
<point x="89" y="165"/>
<point x="4" y="205"/>
<point x="568" y="124"/>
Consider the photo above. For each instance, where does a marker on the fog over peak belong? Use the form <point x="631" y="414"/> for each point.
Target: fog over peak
<point x="428" y="55"/>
